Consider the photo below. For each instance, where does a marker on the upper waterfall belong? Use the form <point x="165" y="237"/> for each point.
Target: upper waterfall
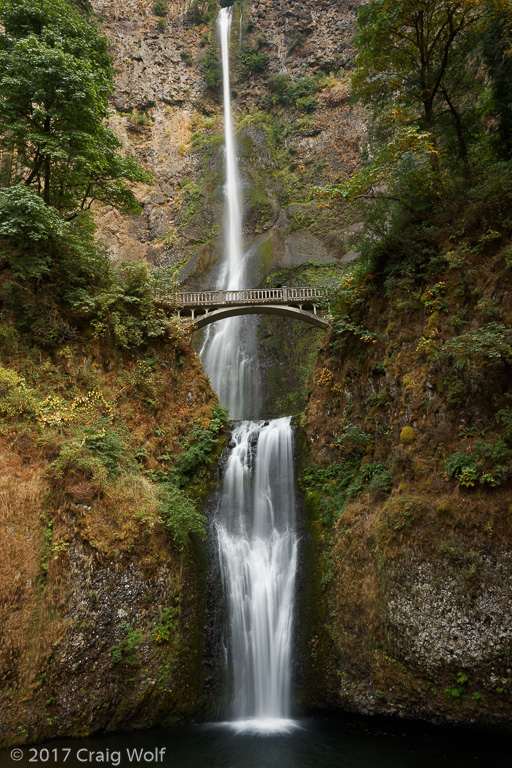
<point x="232" y="274"/>
<point x="229" y="351"/>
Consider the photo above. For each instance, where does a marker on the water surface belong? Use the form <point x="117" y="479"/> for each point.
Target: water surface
<point x="355" y="742"/>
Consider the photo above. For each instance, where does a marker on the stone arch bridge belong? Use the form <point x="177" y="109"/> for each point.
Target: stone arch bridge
<point x="204" y="307"/>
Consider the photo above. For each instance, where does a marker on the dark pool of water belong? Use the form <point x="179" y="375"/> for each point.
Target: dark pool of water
<point x="314" y="743"/>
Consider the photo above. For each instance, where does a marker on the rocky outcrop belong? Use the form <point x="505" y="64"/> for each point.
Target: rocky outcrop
<point x="161" y="101"/>
<point x="102" y="607"/>
<point x="416" y="574"/>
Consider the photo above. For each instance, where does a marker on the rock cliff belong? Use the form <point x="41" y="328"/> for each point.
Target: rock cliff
<point x="170" y="119"/>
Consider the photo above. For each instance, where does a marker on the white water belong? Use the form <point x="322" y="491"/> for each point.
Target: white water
<point x="228" y="353"/>
<point x="255" y="522"/>
<point x="258" y="556"/>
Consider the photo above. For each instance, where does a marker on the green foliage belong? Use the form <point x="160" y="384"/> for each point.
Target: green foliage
<point x="456" y="691"/>
<point x="179" y="511"/>
<point x="16" y="399"/>
<point x="200" y="445"/>
<point x="489" y="345"/>
<point x="160" y="8"/>
<point x="61" y="281"/>
<point x="130" y="309"/>
<point x="504" y="416"/>
<point x="347" y="301"/>
<point x="485" y="464"/>
<point x="212" y="68"/>
<point x="295" y="93"/>
<point x="497" y="47"/>
<point x="101" y="453"/>
<point x="167" y="629"/>
<point x="55" y="81"/>
<point x="127" y="650"/>
<point x="252" y="61"/>
<point x="201" y="11"/>
<point x="297" y="41"/>
<point x="186" y="57"/>
<point x="416" y="65"/>
<point x="26" y="220"/>
<point x="334" y="486"/>
<point x="180" y="515"/>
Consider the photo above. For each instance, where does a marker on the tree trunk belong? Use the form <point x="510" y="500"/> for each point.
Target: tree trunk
<point x="461" y="141"/>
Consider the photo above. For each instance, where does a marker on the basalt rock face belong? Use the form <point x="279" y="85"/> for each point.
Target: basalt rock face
<point x="171" y="120"/>
<point x="161" y="100"/>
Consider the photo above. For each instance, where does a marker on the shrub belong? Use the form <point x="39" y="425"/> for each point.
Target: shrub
<point x="101" y="453"/>
<point x="128" y="649"/>
<point x="296" y="93"/>
<point x="201" y="11"/>
<point x="131" y="307"/>
<point x="201" y="443"/>
<point x="252" y="61"/>
<point x="212" y="69"/>
<point x="186" y="57"/>
<point x="180" y="515"/>
<point x="484" y="464"/>
<point x="297" y="42"/>
<point x="166" y="630"/>
<point x="160" y="8"/>
<point x="489" y="345"/>
<point x="337" y="484"/>
<point x="307" y="104"/>
<point x="16" y="399"/>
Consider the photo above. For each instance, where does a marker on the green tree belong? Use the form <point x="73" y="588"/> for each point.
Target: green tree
<point x="418" y="61"/>
<point x="420" y="70"/>
<point x="55" y="80"/>
<point x="497" y="47"/>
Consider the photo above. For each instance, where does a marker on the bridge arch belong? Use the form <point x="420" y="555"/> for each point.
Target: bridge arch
<point x="202" y="320"/>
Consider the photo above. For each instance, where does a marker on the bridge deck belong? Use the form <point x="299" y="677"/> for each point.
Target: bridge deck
<point x="249" y="296"/>
<point x="204" y="307"/>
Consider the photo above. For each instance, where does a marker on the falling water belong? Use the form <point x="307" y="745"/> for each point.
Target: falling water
<point x="258" y="554"/>
<point x="229" y="349"/>
<point x="255" y="521"/>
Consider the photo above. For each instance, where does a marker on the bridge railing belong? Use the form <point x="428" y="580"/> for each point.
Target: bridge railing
<point x="248" y="296"/>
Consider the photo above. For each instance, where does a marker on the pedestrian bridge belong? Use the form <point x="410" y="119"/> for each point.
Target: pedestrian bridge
<point x="204" y="307"/>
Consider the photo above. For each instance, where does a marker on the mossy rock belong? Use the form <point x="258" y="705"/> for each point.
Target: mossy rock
<point x="407" y="435"/>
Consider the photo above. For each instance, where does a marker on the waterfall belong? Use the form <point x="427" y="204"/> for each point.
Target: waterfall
<point x="258" y="555"/>
<point x="255" y="519"/>
<point x="229" y="350"/>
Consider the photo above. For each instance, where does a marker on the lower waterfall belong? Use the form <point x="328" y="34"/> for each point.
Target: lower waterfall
<point x="257" y="545"/>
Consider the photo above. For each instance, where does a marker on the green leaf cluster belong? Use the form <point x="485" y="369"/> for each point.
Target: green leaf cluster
<point x="484" y="464"/>
<point x="252" y="61"/>
<point x="180" y="515"/>
<point x="55" y="81"/>
<point x="202" y="11"/>
<point x="297" y="93"/>
<point x="491" y="344"/>
<point x="212" y="68"/>
<point x="127" y="650"/>
<point x="200" y="445"/>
